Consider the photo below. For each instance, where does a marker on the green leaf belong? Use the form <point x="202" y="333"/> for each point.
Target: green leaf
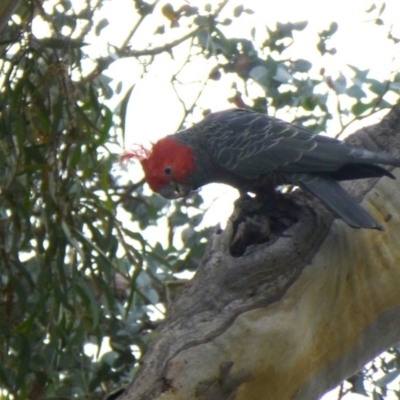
<point x="340" y="84"/>
<point x="123" y="107"/>
<point x="376" y="86"/>
<point x="4" y="377"/>
<point x="395" y="86"/>
<point x="360" y="108"/>
<point x="208" y="7"/>
<point x="75" y="156"/>
<point x="143" y="7"/>
<point x="356" y="92"/>
<point x="310" y="103"/>
<point x="377" y="396"/>
<point x="259" y="73"/>
<point x="101" y="25"/>
<point x="89" y="301"/>
<point x="371" y="8"/>
<point x="357" y="382"/>
<point x="106" y="126"/>
<point x="360" y="74"/>
<point x="178" y="218"/>
<point x="23" y="349"/>
<point x="221" y="43"/>
<point x="333" y="27"/>
<point x="282" y="75"/>
<point x="301" y="65"/>
<point x="237" y="11"/>
<point x="300" y="25"/>
<point x="285" y="29"/>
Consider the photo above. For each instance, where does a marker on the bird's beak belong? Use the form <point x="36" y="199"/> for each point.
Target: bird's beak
<point x="175" y="190"/>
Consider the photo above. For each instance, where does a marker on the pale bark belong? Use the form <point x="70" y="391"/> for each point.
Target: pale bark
<point x="292" y="317"/>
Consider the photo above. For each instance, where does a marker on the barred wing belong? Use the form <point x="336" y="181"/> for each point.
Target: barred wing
<point x="251" y="144"/>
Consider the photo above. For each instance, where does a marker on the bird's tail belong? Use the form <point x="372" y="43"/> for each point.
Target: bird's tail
<point x="339" y="201"/>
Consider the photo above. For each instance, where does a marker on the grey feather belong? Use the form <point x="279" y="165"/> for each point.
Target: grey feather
<point x="340" y="203"/>
<point x="255" y="152"/>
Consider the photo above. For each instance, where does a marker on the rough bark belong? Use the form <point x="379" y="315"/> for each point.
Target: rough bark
<point x="292" y="317"/>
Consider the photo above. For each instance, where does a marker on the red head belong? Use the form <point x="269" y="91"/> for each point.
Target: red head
<point x="166" y="166"/>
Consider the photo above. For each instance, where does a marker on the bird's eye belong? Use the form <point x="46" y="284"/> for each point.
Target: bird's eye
<point x="167" y="170"/>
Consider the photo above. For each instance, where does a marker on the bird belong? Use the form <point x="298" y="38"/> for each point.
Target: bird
<point x="256" y="153"/>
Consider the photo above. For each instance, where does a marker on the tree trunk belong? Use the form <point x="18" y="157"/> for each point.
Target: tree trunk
<point x="292" y="317"/>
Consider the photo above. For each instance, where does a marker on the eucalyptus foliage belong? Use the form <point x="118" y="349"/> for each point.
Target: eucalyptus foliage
<point x="77" y="274"/>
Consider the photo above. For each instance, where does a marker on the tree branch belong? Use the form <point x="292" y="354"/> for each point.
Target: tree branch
<point x="7" y="7"/>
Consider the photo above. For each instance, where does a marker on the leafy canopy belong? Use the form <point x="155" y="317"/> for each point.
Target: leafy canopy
<point x="77" y="270"/>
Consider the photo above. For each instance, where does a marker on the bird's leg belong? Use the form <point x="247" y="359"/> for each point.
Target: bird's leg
<point x="261" y="219"/>
<point x="278" y="206"/>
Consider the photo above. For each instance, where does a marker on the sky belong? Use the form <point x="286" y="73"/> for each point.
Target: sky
<point x="155" y="111"/>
